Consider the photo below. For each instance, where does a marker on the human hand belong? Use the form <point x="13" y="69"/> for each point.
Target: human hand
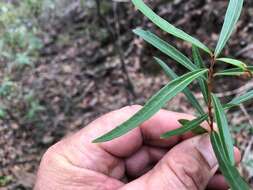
<point x="137" y="160"/>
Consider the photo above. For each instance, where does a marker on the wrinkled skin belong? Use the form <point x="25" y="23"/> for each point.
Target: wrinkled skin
<point x="137" y="160"/>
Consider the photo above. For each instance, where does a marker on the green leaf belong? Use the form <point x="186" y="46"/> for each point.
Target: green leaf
<point x="234" y="72"/>
<point x="197" y="57"/>
<point x="231" y="174"/>
<point x="6" y="87"/>
<point x="164" y="47"/>
<point x="190" y="97"/>
<point x="234" y="62"/>
<point x="34" y="43"/>
<point x="167" y="27"/>
<point x="202" y="82"/>
<point x="5" y="180"/>
<point x="232" y="15"/>
<point x="222" y="124"/>
<point x="2" y="113"/>
<point x="34" y="109"/>
<point x="198" y="130"/>
<point x="23" y="59"/>
<point x="218" y="145"/>
<point x="240" y="99"/>
<point x="187" y="126"/>
<point x="153" y="105"/>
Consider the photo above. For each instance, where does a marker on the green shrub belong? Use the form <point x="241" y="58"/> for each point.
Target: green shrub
<point x="19" y="48"/>
<point x="19" y="43"/>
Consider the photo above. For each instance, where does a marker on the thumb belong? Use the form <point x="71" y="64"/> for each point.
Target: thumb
<point x="189" y="165"/>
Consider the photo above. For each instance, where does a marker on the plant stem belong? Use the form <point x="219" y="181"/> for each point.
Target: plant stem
<point x="115" y="33"/>
<point x="210" y="89"/>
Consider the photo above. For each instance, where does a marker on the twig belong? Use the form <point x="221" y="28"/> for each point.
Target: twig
<point x="238" y="93"/>
<point x="210" y="89"/>
<point x="244" y="88"/>
<point x="245" y="112"/>
<point x="242" y="107"/>
<point x="248" y="86"/>
<point x="119" y="49"/>
<point x="117" y="43"/>
<point x="248" y="150"/>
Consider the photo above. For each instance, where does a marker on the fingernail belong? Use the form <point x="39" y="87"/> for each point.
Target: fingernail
<point x="205" y="148"/>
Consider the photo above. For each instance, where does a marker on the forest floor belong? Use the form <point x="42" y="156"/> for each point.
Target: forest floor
<point x="81" y="74"/>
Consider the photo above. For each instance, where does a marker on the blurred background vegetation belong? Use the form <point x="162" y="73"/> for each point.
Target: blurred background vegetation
<point x="65" y="62"/>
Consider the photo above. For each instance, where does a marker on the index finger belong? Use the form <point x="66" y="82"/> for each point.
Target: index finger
<point x="147" y="133"/>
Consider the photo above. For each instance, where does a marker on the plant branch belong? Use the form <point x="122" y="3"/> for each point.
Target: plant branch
<point x="210" y="89"/>
<point x="119" y="50"/>
<point x="114" y="31"/>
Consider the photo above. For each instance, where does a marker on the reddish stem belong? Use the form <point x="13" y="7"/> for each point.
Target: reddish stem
<point x="210" y="89"/>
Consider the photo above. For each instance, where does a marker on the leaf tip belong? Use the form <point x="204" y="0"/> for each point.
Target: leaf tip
<point x="99" y="140"/>
<point x="95" y="141"/>
<point x="163" y="136"/>
<point x="137" y="30"/>
<point x="183" y="121"/>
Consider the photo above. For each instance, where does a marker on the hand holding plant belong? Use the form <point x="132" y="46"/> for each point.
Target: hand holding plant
<point x="138" y="160"/>
<point x="205" y="75"/>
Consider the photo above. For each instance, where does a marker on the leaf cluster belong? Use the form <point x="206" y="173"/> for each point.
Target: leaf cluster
<point x="221" y="138"/>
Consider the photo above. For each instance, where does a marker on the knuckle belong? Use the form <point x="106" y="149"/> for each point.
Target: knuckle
<point x="49" y="156"/>
<point x="195" y="172"/>
<point x="190" y="175"/>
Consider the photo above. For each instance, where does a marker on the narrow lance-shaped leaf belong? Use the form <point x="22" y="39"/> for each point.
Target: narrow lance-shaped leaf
<point x="198" y="61"/>
<point x="166" y="48"/>
<point x="153" y="105"/>
<point x="184" y="121"/>
<point x="234" y="62"/>
<point x="166" y="26"/>
<point x="197" y="57"/>
<point x="190" y="97"/>
<point x="230" y="173"/>
<point x="222" y="124"/>
<point x="198" y="130"/>
<point x="232" y="15"/>
<point x="187" y="127"/>
<point x="235" y="72"/>
<point x="240" y="99"/>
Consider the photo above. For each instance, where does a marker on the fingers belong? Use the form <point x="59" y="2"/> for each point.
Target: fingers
<point x="189" y="165"/>
<point x="108" y="158"/>
<point x="217" y="183"/>
<point x="143" y="160"/>
<point x="148" y="133"/>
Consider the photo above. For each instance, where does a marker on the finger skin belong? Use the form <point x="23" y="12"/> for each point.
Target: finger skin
<point x="140" y="162"/>
<point x="187" y="166"/>
<point x="217" y="183"/>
